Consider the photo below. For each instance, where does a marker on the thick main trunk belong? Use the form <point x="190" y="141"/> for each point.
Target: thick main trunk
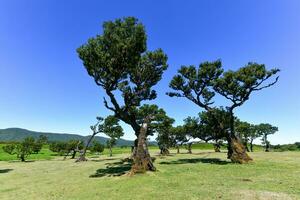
<point x="73" y="154"/>
<point x="267" y="147"/>
<point x="142" y="161"/>
<point x="237" y="151"/>
<point x="189" y="147"/>
<point x="22" y="158"/>
<point x="164" y="151"/>
<point x="217" y="147"/>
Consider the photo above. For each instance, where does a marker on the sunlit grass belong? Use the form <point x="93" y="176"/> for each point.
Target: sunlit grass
<point x="202" y="175"/>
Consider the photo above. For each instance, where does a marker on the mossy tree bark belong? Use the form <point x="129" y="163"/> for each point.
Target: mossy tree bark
<point x="237" y="151"/>
<point x="142" y="161"/>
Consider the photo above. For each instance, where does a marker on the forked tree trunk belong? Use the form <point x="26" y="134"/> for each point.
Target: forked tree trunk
<point x="237" y="151"/>
<point x="142" y="161"/>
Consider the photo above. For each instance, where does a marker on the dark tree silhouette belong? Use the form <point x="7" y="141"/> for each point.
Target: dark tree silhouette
<point x="164" y="137"/>
<point x="113" y="130"/>
<point x="179" y="136"/>
<point x="264" y="130"/>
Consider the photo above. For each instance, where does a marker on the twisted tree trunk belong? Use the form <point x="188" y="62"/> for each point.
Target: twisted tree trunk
<point x="237" y="151"/>
<point x="142" y="161"/>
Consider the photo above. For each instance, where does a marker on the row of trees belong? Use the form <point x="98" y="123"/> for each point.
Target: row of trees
<point x="205" y="128"/>
<point x="69" y="148"/>
<point x="119" y="62"/>
<point x="109" y="126"/>
<point x="73" y="147"/>
<point x="25" y="148"/>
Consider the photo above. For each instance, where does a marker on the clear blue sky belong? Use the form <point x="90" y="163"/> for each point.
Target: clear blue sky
<point x="44" y="86"/>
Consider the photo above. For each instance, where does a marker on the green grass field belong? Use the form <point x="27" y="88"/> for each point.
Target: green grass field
<point x="201" y="175"/>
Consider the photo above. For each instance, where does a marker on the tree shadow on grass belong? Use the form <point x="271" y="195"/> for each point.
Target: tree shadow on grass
<point x="5" y="170"/>
<point x="101" y="160"/>
<point x="209" y="152"/>
<point x="114" y="169"/>
<point x="18" y="161"/>
<point x="197" y="160"/>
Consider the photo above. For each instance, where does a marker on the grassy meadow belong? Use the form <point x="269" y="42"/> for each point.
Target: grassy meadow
<point x="201" y="175"/>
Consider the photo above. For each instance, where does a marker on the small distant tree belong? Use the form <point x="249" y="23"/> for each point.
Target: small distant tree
<point x="42" y="139"/>
<point x="73" y="146"/>
<point x="58" y="147"/>
<point x="244" y="131"/>
<point x="265" y="130"/>
<point x="97" y="128"/>
<point x="24" y="149"/>
<point x="215" y="123"/>
<point x="179" y="136"/>
<point x="192" y="130"/>
<point x="9" y="148"/>
<point x="110" y="143"/>
<point x="211" y="125"/>
<point x="164" y="137"/>
<point x="96" y="147"/>
<point x="37" y="147"/>
<point x="113" y="130"/>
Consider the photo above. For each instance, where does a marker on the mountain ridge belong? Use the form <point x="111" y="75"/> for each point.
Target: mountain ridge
<point x="18" y="134"/>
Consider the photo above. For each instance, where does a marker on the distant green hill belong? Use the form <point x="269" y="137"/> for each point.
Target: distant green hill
<point x="18" y="134"/>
